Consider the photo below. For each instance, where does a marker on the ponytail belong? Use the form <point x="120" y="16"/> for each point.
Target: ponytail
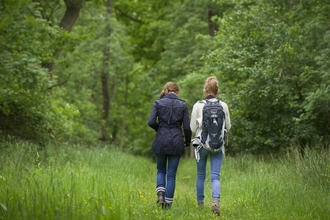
<point x="169" y="87"/>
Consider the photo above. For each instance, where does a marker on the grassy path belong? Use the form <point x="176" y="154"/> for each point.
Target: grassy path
<point x="75" y="183"/>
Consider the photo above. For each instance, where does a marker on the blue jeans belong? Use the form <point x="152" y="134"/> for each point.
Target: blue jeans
<point x="167" y="166"/>
<point x="216" y="160"/>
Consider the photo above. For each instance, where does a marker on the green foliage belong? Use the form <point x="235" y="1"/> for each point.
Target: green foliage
<point x="80" y="71"/>
<point x="187" y="40"/>
<point x="271" y="58"/>
<point x="267" y="56"/>
<point x="27" y="109"/>
<point x="24" y="42"/>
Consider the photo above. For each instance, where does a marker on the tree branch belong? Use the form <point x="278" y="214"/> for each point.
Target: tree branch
<point x="61" y="83"/>
<point x="128" y="16"/>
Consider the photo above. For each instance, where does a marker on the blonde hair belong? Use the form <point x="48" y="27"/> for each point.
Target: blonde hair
<point x="169" y="87"/>
<point x="211" y="86"/>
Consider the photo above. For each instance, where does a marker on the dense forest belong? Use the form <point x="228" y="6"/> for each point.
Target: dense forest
<point x="88" y="71"/>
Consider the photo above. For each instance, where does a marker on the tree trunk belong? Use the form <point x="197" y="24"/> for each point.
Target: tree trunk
<point x="68" y="20"/>
<point x="105" y="77"/>
<point x="106" y="103"/>
<point x="122" y="139"/>
<point x="213" y="27"/>
<point x="71" y="13"/>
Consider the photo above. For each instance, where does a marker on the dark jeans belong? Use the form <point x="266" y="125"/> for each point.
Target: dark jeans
<point x="167" y="166"/>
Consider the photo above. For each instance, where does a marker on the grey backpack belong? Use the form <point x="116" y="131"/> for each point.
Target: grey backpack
<point x="213" y="126"/>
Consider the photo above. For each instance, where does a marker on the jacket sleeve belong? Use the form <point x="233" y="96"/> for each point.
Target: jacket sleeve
<point x="152" y="120"/>
<point x="226" y="110"/>
<point x="196" y="118"/>
<point x="186" y="126"/>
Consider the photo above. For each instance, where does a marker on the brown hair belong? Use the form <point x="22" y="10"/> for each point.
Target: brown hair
<point x="169" y="87"/>
<point x="211" y="86"/>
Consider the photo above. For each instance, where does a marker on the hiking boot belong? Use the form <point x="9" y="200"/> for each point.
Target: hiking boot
<point x="200" y="204"/>
<point x="167" y="205"/>
<point x="216" y="206"/>
<point x="161" y="199"/>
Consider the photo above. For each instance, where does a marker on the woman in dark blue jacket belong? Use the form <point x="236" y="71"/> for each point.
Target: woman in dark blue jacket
<point x="168" y="115"/>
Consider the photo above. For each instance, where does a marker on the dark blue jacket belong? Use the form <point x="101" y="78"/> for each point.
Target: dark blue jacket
<point x="167" y="117"/>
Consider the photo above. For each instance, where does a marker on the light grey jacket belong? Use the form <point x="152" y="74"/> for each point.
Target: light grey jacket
<point x="197" y="116"/>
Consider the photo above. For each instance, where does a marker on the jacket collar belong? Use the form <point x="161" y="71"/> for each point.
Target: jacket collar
<point x="171" y="95"/>
<point x="210" y="97"/>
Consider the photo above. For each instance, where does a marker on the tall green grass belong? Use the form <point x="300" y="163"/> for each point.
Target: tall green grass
<point x="103" y="183"/>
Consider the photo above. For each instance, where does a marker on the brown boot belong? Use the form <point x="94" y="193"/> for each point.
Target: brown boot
<point x="216" y="206"/>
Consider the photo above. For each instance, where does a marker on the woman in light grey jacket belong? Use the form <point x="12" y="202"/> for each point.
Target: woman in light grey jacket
<point x="211" y="91"/>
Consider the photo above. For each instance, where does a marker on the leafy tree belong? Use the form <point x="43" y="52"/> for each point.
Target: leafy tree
<point x="100" y="60"/>
<point x="271" y="58"/>
<point x="25" y="108"/>
<point x="268" y="56"/>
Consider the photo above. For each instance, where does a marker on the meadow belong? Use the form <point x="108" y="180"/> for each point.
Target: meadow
<point x="74" y="182"/>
